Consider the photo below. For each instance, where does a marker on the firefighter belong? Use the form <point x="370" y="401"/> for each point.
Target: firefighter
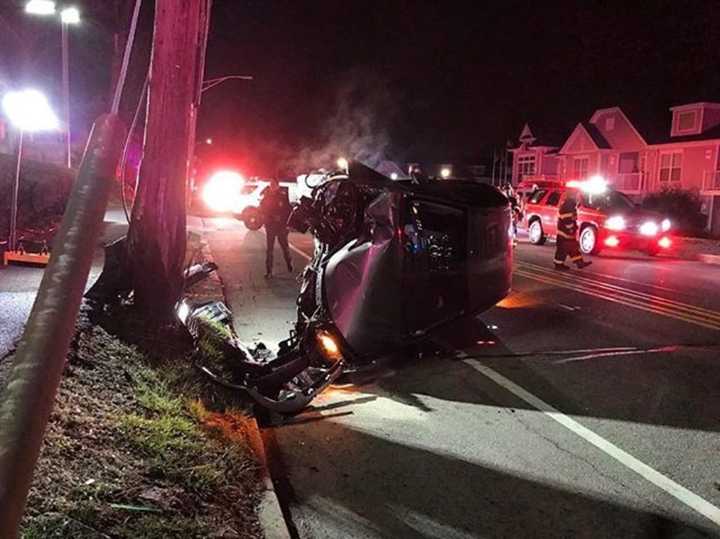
<point x="567" y="243"/>
<point x="275" y="208"/>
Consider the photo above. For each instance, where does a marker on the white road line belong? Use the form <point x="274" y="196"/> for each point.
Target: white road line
<point x="300" y="252"/>
<point x="692" y="500"/>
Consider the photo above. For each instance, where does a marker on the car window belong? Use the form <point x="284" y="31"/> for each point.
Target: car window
<point x="610" y="201"/>
<point x="537" y="197"/>
<point x="553" y="199"/>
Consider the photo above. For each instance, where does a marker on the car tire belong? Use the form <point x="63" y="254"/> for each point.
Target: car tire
<point x="588" y="241"/>
<point x="536" y="234"/>
<point x="252" y="218"/>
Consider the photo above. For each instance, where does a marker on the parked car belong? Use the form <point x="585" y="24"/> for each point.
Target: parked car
<point x="606" y="220"/>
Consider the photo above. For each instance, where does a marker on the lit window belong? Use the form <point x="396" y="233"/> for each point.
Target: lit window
<point x="580" y="167"/>
<point x="686" y="120"/>
<point x="670" y="166"/>
<point x="526" y="166"/>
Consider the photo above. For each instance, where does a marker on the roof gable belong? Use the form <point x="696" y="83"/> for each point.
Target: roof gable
<point x="584" y="138"/>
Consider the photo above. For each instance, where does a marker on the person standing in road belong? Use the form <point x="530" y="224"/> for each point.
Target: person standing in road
<point x="567" y="243"/>
<point x="275" y="209"/>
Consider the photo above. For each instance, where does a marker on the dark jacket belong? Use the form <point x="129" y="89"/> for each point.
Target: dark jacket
<point x="275" y="207"/>
<point x="567" y="220"/>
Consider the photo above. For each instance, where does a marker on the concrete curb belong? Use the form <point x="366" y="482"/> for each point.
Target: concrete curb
<point x="269" y="511"/>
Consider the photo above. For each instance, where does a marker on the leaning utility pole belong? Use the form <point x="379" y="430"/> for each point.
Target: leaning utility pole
<point x="157" y="235"/>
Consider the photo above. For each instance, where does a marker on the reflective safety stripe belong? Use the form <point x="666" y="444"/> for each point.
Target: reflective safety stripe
<point x="566" y="216"/>
<point x="558" y="261"/>
<point x="565" y="235"/>
<point x="575" y="258"/>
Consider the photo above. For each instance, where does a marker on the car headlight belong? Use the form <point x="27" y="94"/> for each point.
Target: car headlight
<point x="649" y="228"/>
<point x="666" y="224"/>
<point x="616" y="222"/>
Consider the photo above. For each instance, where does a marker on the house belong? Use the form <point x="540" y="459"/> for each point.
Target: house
<point x="637" y="154"/>
<point x="534" y="158"/>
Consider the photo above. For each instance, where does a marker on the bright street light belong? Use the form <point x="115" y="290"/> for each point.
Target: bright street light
<point x="28" y="110"/>
<point x="342" y="163"/>
<point x="40" y="7"/>
<point x="445" y="173"/>
<point x="208" y="141"/>
<point x="70" y="15"/>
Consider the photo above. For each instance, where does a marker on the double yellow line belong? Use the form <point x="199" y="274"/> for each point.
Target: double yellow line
<point x="624" y="296"/>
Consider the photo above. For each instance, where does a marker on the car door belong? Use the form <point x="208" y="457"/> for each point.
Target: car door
<point x="549" y="212"/>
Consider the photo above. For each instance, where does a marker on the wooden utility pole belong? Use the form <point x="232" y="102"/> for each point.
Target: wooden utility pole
<point x="157" y="235"/>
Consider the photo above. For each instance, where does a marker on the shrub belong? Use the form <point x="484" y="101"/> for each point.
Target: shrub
<point x="682" y="206"/>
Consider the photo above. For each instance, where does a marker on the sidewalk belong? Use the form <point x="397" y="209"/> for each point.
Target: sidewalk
<point x="263" y="309"/>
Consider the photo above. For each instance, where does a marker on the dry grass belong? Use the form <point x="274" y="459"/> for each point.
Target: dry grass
<point x="133" y="451"/>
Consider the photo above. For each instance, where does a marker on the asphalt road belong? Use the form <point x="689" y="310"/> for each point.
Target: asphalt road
<point x="584" y="405"/>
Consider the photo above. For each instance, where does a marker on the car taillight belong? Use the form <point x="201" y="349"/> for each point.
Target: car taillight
<point x="665" y="242"/>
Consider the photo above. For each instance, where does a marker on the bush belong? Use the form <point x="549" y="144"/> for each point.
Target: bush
<point x="44" y="190"/>
<point x="682" y="206"/>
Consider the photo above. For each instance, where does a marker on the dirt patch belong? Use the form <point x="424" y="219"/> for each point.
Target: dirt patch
<point x="131" y="450"/>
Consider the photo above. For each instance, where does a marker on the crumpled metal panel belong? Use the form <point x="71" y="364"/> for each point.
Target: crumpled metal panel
<point x="422" y="262"/>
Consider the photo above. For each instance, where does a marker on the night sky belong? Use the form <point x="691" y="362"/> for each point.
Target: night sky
<point x="423" y="80"/>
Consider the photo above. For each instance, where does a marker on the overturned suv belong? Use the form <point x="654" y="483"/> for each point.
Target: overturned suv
<point x="393" y="261"/>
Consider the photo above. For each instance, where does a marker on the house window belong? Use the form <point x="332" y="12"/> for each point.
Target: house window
<point x="526" y="166"/>
<point x="610" y="123"/>
<point x="580" y="167"/>
<point x="670" y="165"/>
<point x="686" y="120"/>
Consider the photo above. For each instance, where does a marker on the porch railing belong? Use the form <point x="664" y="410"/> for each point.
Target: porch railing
<point x="711" y="182"/>
<point x="633" y="182"/>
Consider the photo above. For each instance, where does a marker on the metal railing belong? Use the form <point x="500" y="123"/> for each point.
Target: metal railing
<point x="28" y="397"/>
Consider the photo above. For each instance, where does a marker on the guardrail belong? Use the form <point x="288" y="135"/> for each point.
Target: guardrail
<point x="40" y="357"/>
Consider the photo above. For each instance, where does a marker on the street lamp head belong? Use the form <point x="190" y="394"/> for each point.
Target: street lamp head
<point x="70" y="15"/>
<point x="343" y="163"/>
<point x="28" y="110"/>
<point x="445" y="173"/>
<point x="40" y="7"/>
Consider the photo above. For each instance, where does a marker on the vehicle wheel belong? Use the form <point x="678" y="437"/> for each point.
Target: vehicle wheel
<point x="536" y="233"/>
<point x="252" y="219"/>
<point x="589" y="241"/>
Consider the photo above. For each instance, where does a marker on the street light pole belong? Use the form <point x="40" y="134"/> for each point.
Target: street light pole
<point x="12" y="240"/>
<point x="66" y="90"/>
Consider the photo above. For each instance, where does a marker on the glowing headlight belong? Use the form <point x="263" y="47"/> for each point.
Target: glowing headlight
<point x="222" y="190"/>
<point x="616" y="222"/>
<point x="328" y="346"/>
<point x="649" y="228"/>
<point x="665" y="225"/>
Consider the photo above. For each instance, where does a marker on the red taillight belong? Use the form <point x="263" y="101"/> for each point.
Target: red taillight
<point x="665" y="242"/>
<point x="612" y="241"/>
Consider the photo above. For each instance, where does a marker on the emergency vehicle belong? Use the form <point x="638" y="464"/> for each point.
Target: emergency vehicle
<point x="607" y="218"/>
